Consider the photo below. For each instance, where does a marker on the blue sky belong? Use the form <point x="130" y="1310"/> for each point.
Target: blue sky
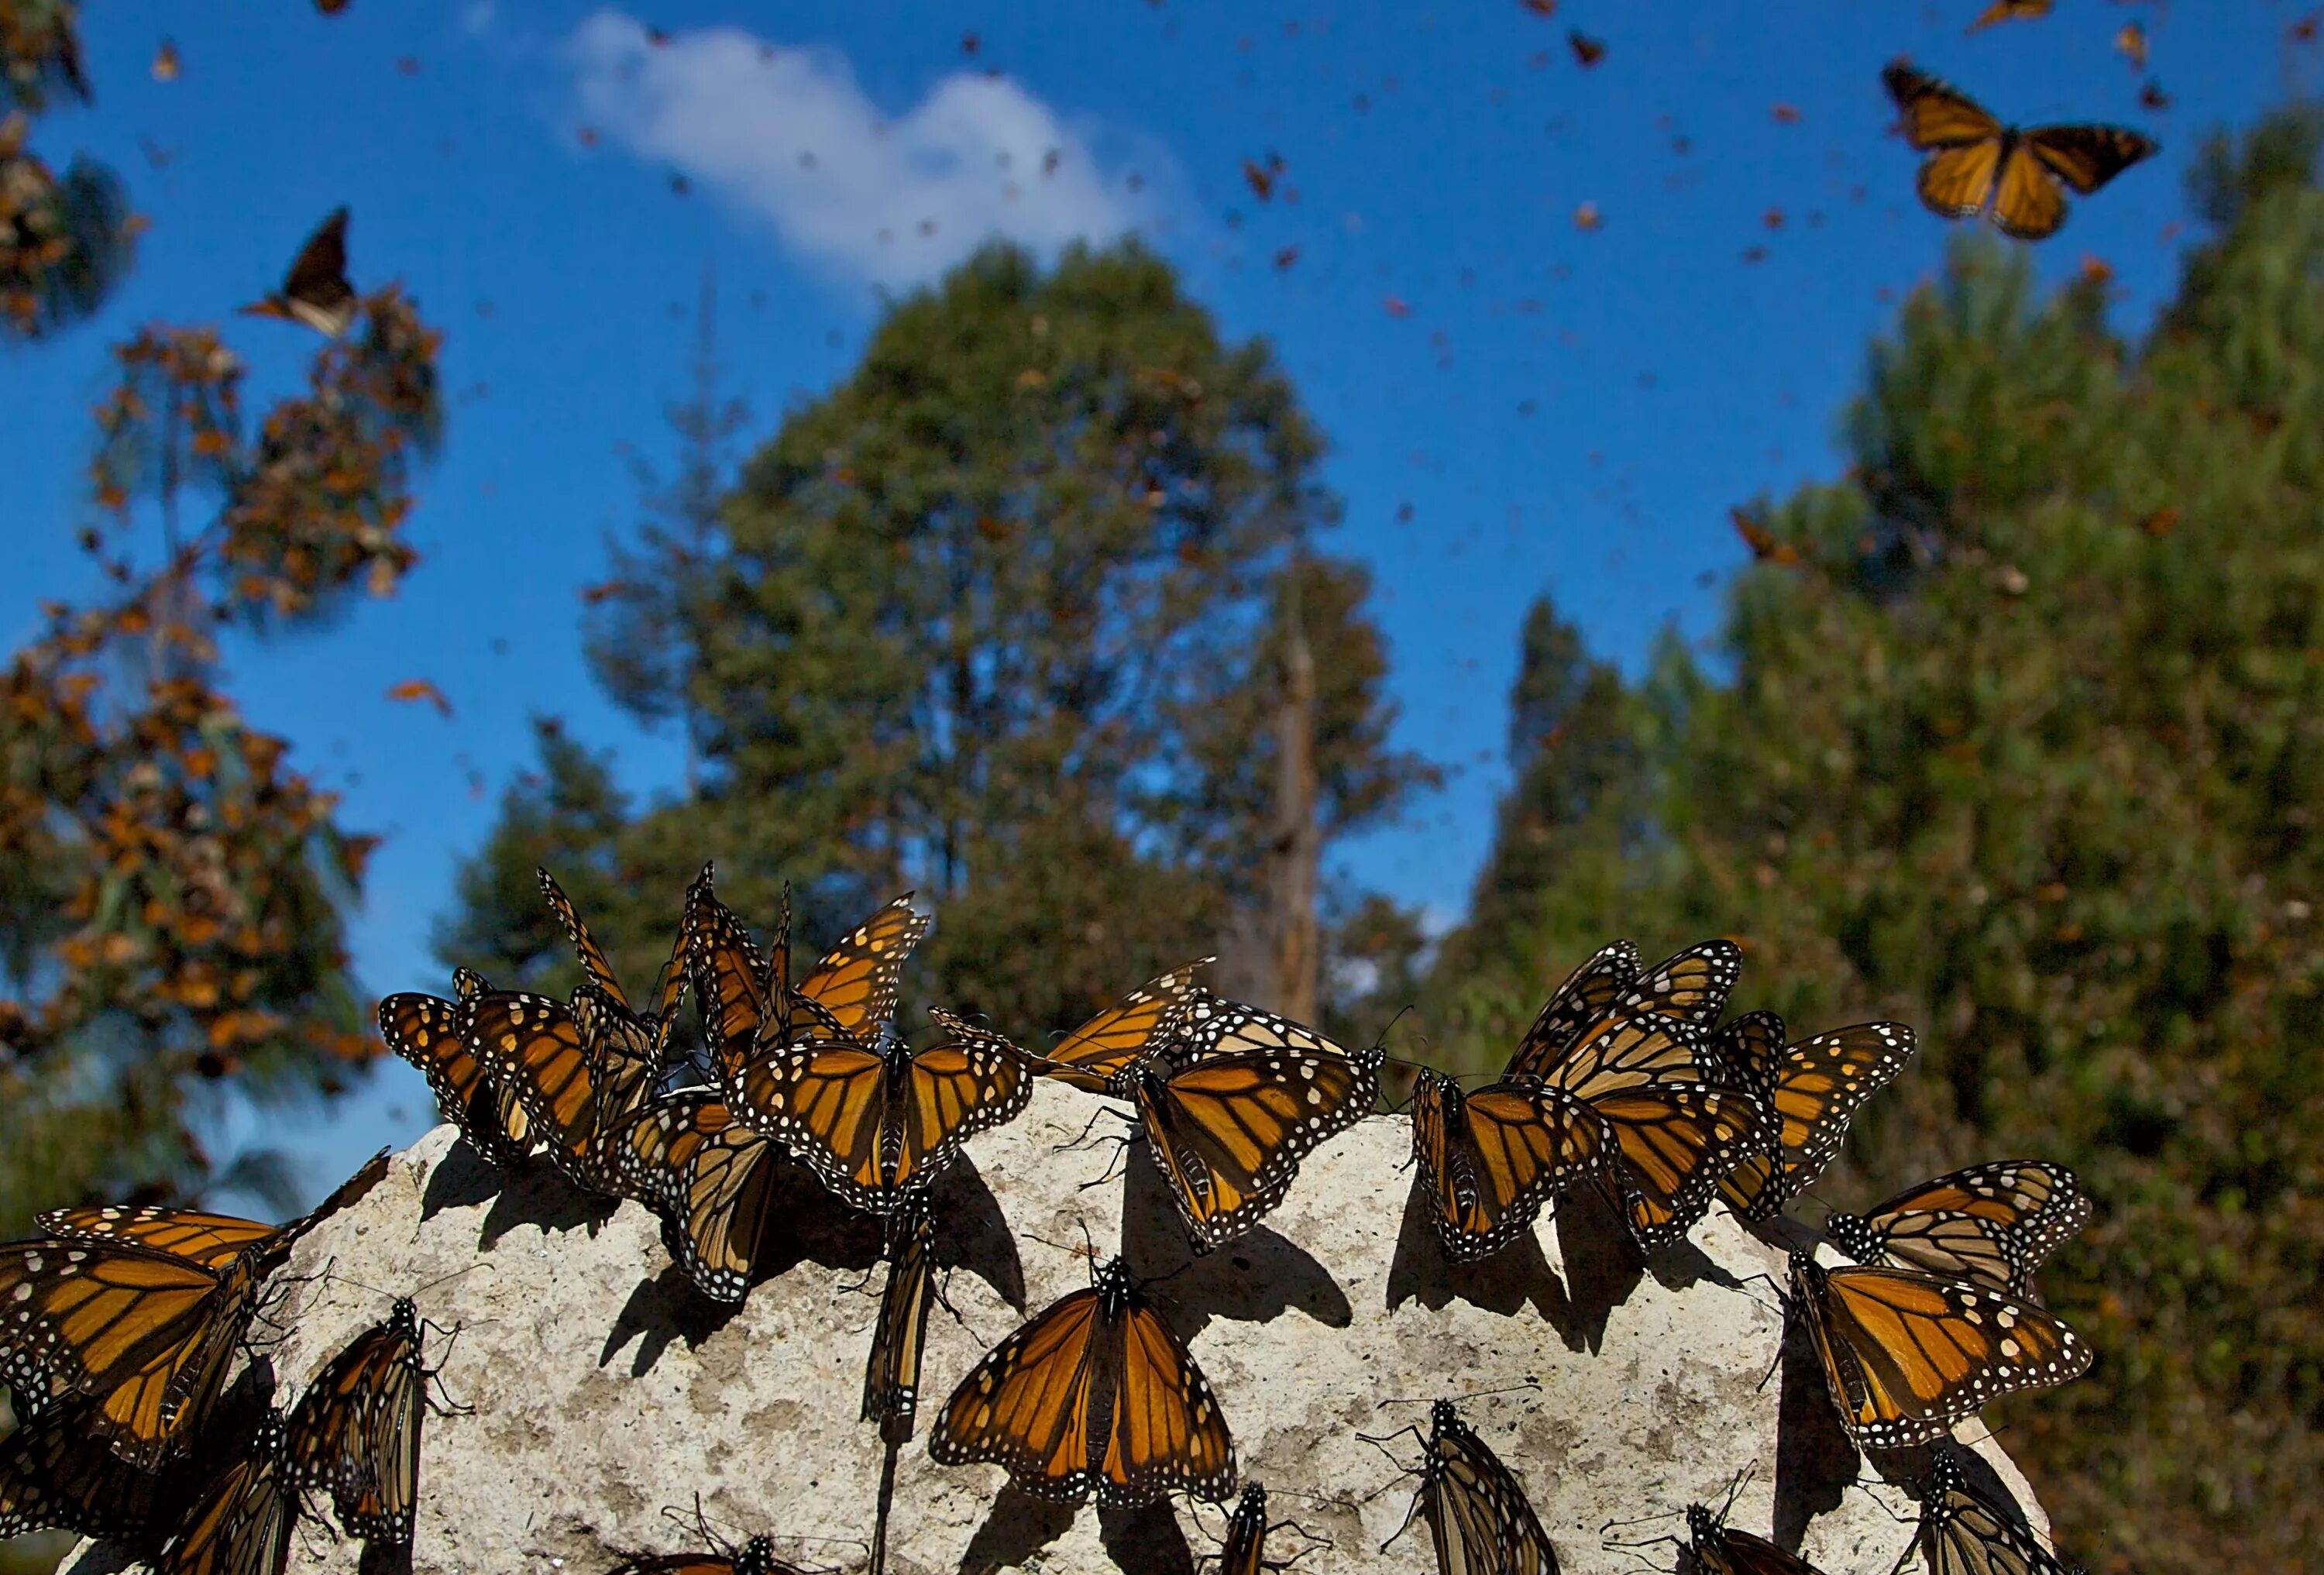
<point x="1515" y="404"/>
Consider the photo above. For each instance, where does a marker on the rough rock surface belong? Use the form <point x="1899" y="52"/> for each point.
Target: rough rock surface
<point x="603" y="1390"/>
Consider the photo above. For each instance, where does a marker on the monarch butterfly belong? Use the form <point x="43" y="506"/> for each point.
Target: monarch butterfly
<point x="878" y="1123"/>
<point x="1810" y="1091"/>
<point x="1964" y="1533"/>
<point x="1720" y="1550"/>
<point x="712" y="1180"/>
<point x="891" y="1377"/>
<point x="2010" y="10"/>
<point x="1488" y="1160"/>
<point x="580" y="1071"/>
<point x="1993" y="1223"/>
<point x="1677" y="1135"/>
<point x="356" y="1429"/>
<point x="1690" y="988"/>
<point x="1096" y="1393"/>
<point x="139" y="1311"/>
<point x="1908" y="1354"/>
<point x="240" y="1523"/>
<point x="427" y="1031"/>
<point x="316" y="292"/>
<point x="653" y="1026"/>
<point x="748" y="1000"/>
<point x="754" y="1557"/>
<point x="2015" y="178"/>
<point x="1478" y="1518"/>
<point x="1094" y="1056"/>
<point x="58" y="1473"/>
<point x="1254" y="1093"/>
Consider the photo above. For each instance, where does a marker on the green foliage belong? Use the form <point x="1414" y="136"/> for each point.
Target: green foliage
<point x="2028" y="751"/>
<point x="998" y="619"/>
<point x="64" y="243"/>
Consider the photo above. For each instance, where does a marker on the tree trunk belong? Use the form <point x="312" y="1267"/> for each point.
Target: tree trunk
<point x="1298" y="837"/>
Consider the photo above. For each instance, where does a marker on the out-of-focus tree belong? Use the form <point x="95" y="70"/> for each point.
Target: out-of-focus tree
<point x="64" y="241"/>
<point x="2027" y="749"/>
<point x="992" y="620"/>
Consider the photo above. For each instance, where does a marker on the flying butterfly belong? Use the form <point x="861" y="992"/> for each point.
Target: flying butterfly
<point x="240" y="1523"/>
<point x="427" y="1031"/>
<point x="1690" y="988"/>
<point x="1489" y="1159"/>
<point x="1908" y="1354"/>
<point x="713" y="1181"/>
<point x="139" y="1312"/>
<point x="1251" y="1093"/>
<point x="1094" y="1056"/>
<point x="891" y="1376"/>
<point x="356" y="1431"/>
<point x="2010" y="10"/>
<point x="2017" y="178"/>
<point x="1479" y="1520"/>
<point x="316" y="292"/>
<point x="1962" y="1532"/>
<point x="1810" y="1089"/>
<point x="1094" y="1394"/>
<point x="878" y="1123"/>
<point x="1994" y="1224"/>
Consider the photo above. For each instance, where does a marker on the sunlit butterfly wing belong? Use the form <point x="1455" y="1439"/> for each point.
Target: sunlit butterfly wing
<point x="1811" y="1092"/>
<point x="661" y="1015"/>
<point x="1964" y="1533"/>
<point x="240" y="1523"/>
<point x="1993" y="1223"/>
<point x="1721" y="1549"/>
<point x="1094" y="1394"/>
<point x="891" y="1376"/>
<point x="1228" y="1130"/>
<point x="1907" y="1354"/>
<point x="1096" y="1055"/>
<point x="428" y="1032"/>
<point x="1488" y="1160"/>
<point x="1692" y="985"/>
<point x="970" y="1080"/>
<point x="715" y="1180"/>
<point x="856" y="981"/>
<point x="1580" y="1005"/>
<point x="1662" y="1012"/>
<point x="731" y="978"/>
<point x="533" y="1045"/>
<point x="356" y="1431"/>
<point x="209" y="1240"/>
<point x="1478" y="1518"/>
<point x="57" y="1473"/>
<point x="1936" y="113"/>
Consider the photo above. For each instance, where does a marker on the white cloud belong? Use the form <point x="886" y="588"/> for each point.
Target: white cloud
<point x="789" y="135"/>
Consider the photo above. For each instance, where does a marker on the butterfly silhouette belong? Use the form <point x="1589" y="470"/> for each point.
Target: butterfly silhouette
<point x="316" y="292"/>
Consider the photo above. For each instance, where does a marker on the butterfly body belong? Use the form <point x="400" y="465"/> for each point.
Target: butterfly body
<point x="1906" y="1354"/>
<point x="1489" y="1159"/>
<point x="754" y="1557"/>
<point x="891" y="1375"/>
<point x="356" y="1431"/>
<point x="2015" y="178"/>
<point x="1993" y="1223"/>
<point x="1094" y="1395"/>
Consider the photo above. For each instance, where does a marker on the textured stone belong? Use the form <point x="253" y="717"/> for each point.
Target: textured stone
<point x="604" y="1391"/>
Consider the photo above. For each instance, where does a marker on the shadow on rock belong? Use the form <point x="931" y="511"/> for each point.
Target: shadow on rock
<point x="462" y="1179"/>
<point x="1257" y="1276"/>
<point x="1018" y="1526"/>
<point x="1602" y="1267"/>
<point x="973" y="1234"/>
<point x="1815" y="1460"/>
<point x="1145" y="1540"/>
<point x="661" y="1310"/>
<point x="1503" y="1284"/>
<point x="535" y="1194"/>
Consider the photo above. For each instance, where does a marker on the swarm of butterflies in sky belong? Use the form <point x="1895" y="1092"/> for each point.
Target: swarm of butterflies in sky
<point x="119" y="1326"/>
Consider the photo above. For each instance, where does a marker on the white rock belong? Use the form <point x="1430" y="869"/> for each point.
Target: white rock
<point x="605" y="1391"/>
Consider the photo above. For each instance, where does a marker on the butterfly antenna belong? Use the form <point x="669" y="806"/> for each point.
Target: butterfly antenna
<point x="1735" y="1489"/>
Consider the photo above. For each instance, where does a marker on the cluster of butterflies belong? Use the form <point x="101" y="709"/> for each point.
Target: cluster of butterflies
<point x="120" y="1325"/>
<point x="121" y="1329"/>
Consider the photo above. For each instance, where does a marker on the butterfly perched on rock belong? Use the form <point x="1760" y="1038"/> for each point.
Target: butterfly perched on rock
<point x="429" y="1033"/>
<point x="715" y="1181"/>
<point x="316" y="292"/>
<point x="1812" y="1090"/>
<point x="1094" y="1056"/>
<point x="1096" y="1393"/>
<point x="891" y="1373"/>
<point x="1491" y="1157"/>
<point x="1479" y="1518"/>
<point x="1993" y="1223"/>
<point x="2015" y="178"/>
<point x="1717" y="1549"/>
<point x="356" y="1431"/>
<point x="1964" y="1531"/>
<point x="1907" y="1354"/>
<point x="240" y="1523"/>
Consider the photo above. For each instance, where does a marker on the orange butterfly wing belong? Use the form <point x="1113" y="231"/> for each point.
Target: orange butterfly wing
<point x="1098" y="1053"/>
<point x="856" y="981"/>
